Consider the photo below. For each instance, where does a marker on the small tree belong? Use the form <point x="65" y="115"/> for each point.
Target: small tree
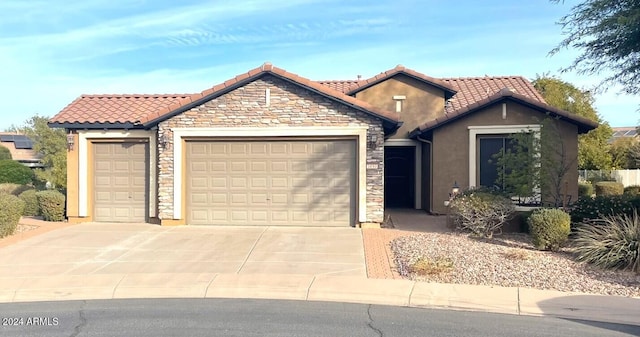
<point x="536" y="164"/>
<point x="52" y="145"/>
<point x="5" y="153"/>
<point x="520" y="174"/>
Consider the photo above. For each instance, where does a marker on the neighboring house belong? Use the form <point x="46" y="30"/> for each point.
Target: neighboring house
<point x="21" y="149"/>
<point x="272" y="148"/>
<point x="624" y="132"/>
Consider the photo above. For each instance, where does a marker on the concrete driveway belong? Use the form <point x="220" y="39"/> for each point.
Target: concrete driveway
<point x="92" y="249"/>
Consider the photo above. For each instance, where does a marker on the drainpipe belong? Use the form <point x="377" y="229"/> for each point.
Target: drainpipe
<point x="430" y="170"/>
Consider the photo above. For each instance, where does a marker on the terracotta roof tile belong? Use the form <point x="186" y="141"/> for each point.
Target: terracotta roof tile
<point x="115" y="109"/>
<point x="342" y="86"/>
<point x="584" y="124"/>
<point x="268" y="68"/>
<point x="474" y="89"/>
<point x="145" y="109"/>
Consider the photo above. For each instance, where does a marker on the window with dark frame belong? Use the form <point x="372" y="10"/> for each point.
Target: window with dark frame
<point x="488" y="147"/>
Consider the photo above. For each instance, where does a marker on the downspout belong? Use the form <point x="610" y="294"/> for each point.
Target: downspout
<point x="430" y="171"/>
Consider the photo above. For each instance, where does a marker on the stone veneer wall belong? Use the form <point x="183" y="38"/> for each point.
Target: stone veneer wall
<point x="290" y="105"/>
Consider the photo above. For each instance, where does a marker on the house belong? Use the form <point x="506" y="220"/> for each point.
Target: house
<point x="269" y="147"/>
<point x="21" y="149"/>
<point x="624" y="132"/>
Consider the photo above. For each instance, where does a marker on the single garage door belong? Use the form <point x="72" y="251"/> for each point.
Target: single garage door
<point x="120" y="181"/>
<point x="293" y="182"/>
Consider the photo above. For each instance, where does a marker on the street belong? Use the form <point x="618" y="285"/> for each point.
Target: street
<point x="238" y="317"/>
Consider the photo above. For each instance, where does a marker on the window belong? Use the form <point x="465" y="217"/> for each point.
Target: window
<point x="488" y="147"/>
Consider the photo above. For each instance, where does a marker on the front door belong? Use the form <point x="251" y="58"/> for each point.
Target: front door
<point x="399" y="176"/>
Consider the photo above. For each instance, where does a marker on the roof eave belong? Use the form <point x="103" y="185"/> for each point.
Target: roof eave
<point x="583" y="127"/>
<point x="95" y="126"/>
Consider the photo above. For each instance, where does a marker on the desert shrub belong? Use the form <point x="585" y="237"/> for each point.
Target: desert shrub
<point x="31" y="207"/>
<point x="587" y="208"/>
<point x="585" y="189"/>
<point x="5" y="153"/>
<point x="11" y="208"/>
<point x="13" y="172"/>
<point x="612" y="242"/>
<point x="51" y="205"/>
<point x="481" y="213"/>
<point x="632" y="190"/>
<point x="14" y="189"/>
<point x="431" y="266"/>
<point x="604" y="188"/>
<point x="549" y="228"/>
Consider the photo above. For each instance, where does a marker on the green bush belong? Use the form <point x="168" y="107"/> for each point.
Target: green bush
<point x="51" y="205"/>
<point x="11" y="208"/>
<point x="549" y="228"/>
<point x="5" y="153"/>
<point x="481" y="213"/>
<point x="13" y="172"/>
<point x="632" y="190"/>
<point x="587" y="208"/>
<point x="14" y="189"/>
<point x="613" y="242"/>
<point x="585" y="189"/>
<point x="604" y="188"/>
<point x="31" y="207"/>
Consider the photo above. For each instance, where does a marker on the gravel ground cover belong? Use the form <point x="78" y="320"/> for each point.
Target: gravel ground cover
<point x="509" y="261"/>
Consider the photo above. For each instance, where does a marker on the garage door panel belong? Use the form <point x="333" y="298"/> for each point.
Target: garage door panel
<point x="217" y="199"/>
<point x="258" y="182"/>
<point x="239" y="166"/>
<point x="218" y="167"/>
<point x="198" y="167"/>
<point x="120" y="182"/>
<point x="215" y="183"/>
<point x="239" y="199"/>
<point x="272" y="183"/>
<point x="239" y="183"/>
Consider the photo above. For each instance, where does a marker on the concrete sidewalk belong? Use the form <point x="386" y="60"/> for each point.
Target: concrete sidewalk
<point x="355" y="289"/>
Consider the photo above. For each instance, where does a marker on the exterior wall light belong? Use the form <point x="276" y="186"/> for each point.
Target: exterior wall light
<point x="70" y="141"/>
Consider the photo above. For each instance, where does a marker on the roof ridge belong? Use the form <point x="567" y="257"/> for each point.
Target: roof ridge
<point x="480" y="77"/>
<point x="333" y="81"/>
<point x="134" y="95"/>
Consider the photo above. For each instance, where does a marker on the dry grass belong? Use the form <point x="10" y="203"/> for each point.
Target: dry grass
<point x="427" y="266"/>
<point x="516" y="254"/>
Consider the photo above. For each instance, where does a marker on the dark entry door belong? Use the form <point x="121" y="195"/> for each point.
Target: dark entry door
<point x="399" y="176"/>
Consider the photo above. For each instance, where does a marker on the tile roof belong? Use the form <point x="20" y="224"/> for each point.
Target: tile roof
<point x="584" y="124"/>
<point x="268" y="68"/>
<point x="149" y="109"/>
<point x="340" y="85"/>
<point x="116" y="109"/>
<point x="473" y="89"/>
<point x="400" y="69"/>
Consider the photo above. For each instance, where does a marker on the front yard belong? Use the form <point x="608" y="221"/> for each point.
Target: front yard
<point x="508" y="260"/>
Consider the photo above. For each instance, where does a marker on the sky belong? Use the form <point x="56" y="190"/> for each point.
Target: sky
<point x="52" y="51"/>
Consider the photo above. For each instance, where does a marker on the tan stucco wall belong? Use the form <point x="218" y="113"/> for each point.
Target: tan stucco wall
<point x="451" y="148"/>
<point x="73" y="180"/>
<point x="423" y="102"/>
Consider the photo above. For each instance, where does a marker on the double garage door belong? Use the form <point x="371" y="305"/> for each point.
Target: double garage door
<point x="271" y="182"/>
